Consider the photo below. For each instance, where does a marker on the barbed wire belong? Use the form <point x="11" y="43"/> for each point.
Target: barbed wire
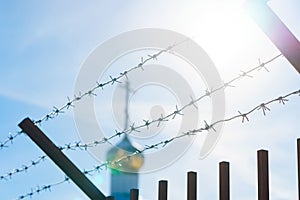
<point x="118" y="163"/>
<point x="112" y="80"/>
<point x="10" y="138"/>
<point x="178" y="111"/>
<point x="23" y="168"/>
<point x="91" y="92"/>
<point x="147" y="123"/>
<point x="44" y="188"/>
<point x="244" y="116"/>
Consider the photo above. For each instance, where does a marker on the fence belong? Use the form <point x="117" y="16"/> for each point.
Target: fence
<point x="224" y="180"/>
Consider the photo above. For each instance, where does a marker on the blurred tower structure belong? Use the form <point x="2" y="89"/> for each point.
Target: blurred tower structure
<point x="124" y="174"/>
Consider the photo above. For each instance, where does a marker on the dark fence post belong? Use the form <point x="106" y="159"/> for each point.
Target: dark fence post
<point x="263" y="175"/>
<point x="298" y="161"/>
<point x="192" y="186"/>
<point x="61" y="160"/>
<point x="224" y="186"/>
<point x="134" y="194"/>
<point x="162" y="190"/>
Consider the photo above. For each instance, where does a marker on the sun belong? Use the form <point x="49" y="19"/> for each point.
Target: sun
<point x="224" y="26"/>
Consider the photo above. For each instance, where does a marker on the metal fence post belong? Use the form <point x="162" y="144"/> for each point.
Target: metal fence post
<point x="192" y="186"/>
<point x="224" y="184"/>
<point x="263" y="175"/>
<point x="61" y="160"/>
<point x="163" y="190"/>
<point x="134" y="194"/>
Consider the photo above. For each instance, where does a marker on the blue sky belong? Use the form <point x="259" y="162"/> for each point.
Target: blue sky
<point x="43" y="45"/>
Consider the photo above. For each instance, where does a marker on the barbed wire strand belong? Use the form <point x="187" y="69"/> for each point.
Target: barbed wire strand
<point x="10" y="138"/>
<point x="47" y="187"/>
<point x="118" y="163"/>
<point x="91" y="92"/>
<point x="112" y="80"/>
<point x="244" y="116"/>
<point x="147" y="123"/>
<point x="23" y="168"/>
<point x="43" y="188"/>
<point x="170" y="116"/>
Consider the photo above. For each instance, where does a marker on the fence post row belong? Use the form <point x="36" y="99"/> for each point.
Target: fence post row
<point x="94" y="193"/>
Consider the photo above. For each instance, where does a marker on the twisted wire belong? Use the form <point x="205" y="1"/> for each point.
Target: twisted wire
<point x="147" y="123"/>
<point x="170" y="116"/>
<point x="10" y="138"/>
<point x="206" y="127"/>
<point x="91" y="92"/>
<point x="118" y="163"/>
<point x="112" y="80"/>
<point x="42" y="188"/>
